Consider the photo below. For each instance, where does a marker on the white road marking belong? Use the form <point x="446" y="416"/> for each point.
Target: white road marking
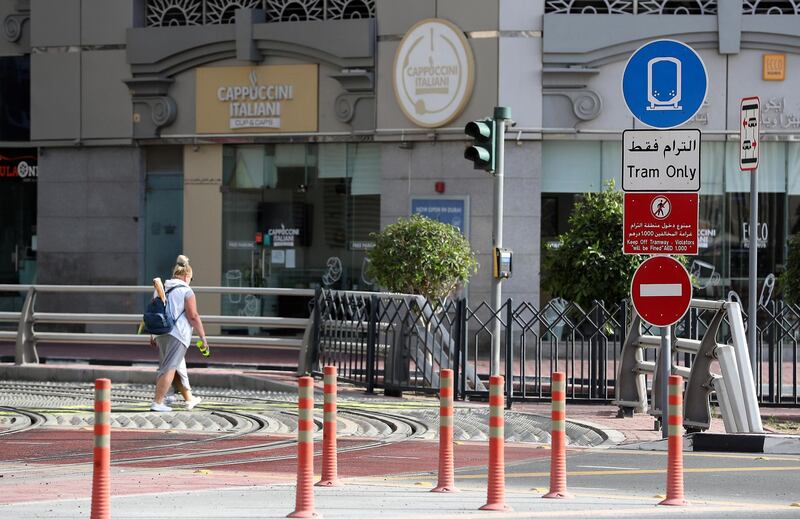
<point x="604" y="467"/>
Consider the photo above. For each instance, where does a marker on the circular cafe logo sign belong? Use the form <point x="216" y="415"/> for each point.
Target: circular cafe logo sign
<point x="433" y="73"/>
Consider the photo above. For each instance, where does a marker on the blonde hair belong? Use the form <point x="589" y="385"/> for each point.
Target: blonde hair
<point x="182" y="267"/>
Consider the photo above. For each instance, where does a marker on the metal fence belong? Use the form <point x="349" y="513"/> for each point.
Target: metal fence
<point x="400" y="342"/>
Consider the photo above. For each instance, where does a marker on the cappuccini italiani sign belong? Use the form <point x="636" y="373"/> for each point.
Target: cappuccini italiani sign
<point x="433" y="73"/>
<point x="274" y="98"/>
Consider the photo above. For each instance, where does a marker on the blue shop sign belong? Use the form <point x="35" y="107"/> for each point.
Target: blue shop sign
<point x="447" y="210"/>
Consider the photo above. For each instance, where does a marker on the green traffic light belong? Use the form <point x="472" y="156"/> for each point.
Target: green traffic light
<point x="482" y="151"/>
<point x="480" y="130"/>
<point x="480" y="156"/>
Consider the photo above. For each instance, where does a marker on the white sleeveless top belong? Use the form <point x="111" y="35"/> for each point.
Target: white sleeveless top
<point x="177" y="305"/>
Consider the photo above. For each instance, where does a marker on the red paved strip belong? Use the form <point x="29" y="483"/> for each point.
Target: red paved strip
<point x="39" y="482"/>
<point x="49" y="486"/>
<point x="39" y="443"/>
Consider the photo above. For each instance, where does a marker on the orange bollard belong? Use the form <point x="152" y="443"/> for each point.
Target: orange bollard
<point x="330" y="477"/>
<point x="675" y="444"/>
<point x="558" y="436"/>
<point x="304" y="497"/>
<point x="101" y="479"/>
<point x="496" y="499"/>
<point x="446" y="481"/>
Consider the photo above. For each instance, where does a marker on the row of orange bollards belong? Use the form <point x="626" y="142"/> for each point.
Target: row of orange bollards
<point x="304" y="504"/>
<point x="496" y="480"/>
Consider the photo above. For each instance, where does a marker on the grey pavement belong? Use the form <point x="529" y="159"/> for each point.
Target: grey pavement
<point x="367" y="500"/>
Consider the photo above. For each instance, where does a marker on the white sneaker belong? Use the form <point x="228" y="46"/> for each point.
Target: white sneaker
<point x="160" y="408"/>
<point x="193" y="402"/>
<point x="170" y="399"/>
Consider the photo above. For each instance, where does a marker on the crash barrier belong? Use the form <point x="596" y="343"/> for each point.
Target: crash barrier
<point x="446" y="481"/>
<point x="330" y="477"/>
<point x="304" y="494"/>
<point x="496" y="484"/>
<point x="675" y="443"/>
<point x="101" y="478"/>
<point x="735" y="389"/>
<point x="30" y="319"/>
<point x="558" y="438"/>
<point x="382" y="341"/>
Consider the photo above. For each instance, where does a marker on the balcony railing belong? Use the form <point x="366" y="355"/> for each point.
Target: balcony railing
<point x="170" y="13"/>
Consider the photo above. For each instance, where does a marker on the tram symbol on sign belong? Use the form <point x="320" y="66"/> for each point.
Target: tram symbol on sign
<point x="660" y="207"/>
<point x="664" y="83"/>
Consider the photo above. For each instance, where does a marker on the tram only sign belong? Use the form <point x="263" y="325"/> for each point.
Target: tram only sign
<point x="661" y="291"/>
<point x="661" y="160"/>
<point x="660" y="223"/>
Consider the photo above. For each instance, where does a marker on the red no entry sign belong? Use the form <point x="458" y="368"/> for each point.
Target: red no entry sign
<point x="661" y="290"/>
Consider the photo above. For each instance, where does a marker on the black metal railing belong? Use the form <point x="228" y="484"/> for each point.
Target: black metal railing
<point x="400" y="342"/>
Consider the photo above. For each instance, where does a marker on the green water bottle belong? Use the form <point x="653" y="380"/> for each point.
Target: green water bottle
<point x="203" y="349"/>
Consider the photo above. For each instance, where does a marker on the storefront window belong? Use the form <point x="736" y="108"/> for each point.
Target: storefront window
<point x="297" y="216"/>
<point x="15" y="98"/>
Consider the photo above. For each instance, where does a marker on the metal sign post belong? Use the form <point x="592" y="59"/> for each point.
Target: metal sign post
<point x="749" y="146"/>
<point x="666" y="371"/>
<point x="664" y="85"/>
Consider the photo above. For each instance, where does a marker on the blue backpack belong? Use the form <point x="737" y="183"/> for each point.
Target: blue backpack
<point x="157" y="316"/>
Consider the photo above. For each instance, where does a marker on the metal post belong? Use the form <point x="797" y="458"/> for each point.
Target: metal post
<point x="752" y="307"/>
<point x="456" y="353"/>
<point x="372" y="342"/>
<point x="501" y="114"/>
<point x="509" y="352"/>
<point x="666" y="371"/>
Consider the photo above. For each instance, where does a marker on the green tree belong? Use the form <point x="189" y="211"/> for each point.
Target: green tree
<point x="790" y="279"/>
<point x="588" y="262"/>
<point x="418" y="255"/>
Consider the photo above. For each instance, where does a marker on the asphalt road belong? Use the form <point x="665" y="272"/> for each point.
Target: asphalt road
<point x="752" y="480"/>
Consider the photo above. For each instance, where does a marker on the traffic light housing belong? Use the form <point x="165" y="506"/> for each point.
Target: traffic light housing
<point x="482" y="151"/>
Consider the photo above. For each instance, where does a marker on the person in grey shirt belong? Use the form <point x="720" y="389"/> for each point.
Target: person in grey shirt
<point x="172" y="346"/>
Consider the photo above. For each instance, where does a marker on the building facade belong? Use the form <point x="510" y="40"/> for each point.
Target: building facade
<point x="266" y="139"/>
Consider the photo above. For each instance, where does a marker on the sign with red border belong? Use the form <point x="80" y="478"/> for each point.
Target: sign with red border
<point x="661" y="290"/>
<point x="660" y="223"/>
<point x="749" y="133"/>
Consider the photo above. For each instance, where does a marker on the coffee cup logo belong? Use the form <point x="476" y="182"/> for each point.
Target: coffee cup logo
<point x="433" y="73"/>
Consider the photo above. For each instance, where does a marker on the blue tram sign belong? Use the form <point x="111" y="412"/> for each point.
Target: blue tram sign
<point x="664" y="83"/>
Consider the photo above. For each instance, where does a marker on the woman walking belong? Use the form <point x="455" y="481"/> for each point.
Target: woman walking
<point x="172" y="346"/>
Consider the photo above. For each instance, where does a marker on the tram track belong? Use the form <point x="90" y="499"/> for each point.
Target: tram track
<point x="402" y="428"/>
<point x="33" y="420"/>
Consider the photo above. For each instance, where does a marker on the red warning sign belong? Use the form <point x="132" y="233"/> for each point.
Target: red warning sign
<point x="660" y="223"/>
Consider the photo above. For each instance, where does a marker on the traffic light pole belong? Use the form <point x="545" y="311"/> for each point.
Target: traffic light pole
<point x="501" y="115"/>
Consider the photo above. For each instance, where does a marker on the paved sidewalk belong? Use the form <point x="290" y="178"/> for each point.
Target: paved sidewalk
<point x="369" y="500"/>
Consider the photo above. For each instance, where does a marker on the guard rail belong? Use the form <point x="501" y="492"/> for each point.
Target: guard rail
<point x="27" y="336"/>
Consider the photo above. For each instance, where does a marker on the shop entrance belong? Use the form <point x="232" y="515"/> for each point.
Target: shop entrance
<point x="297" y="216"/>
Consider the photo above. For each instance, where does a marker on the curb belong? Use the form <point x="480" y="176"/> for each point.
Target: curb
<point x="199" y="378"/>
<point x="720" y="442"/>
<point x="757" y="443"/>
<point x="613" y="437"/>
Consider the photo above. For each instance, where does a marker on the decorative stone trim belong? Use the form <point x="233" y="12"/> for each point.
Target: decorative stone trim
<point x="153" y="109"/>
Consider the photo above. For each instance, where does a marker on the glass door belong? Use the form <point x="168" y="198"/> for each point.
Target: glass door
<point x="17" y="238"/>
